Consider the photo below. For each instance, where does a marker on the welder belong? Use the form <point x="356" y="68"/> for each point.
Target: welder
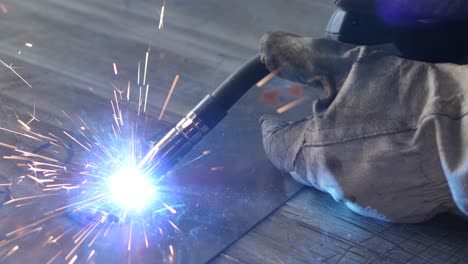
<point x="389" y="138"/>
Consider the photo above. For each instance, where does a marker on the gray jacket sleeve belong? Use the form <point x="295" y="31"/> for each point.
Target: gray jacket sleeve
<point x="392" y="140"/>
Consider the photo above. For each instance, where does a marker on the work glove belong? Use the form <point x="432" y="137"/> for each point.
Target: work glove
<point x="389" y="136"/>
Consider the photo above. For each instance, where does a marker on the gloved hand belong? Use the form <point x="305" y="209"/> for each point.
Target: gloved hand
<point x="389" y="138"/>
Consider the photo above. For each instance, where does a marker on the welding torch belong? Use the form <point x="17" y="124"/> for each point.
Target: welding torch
<point x="165" y="154"/>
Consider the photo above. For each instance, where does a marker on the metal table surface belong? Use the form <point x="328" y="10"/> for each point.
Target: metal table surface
<point x="74" y="45"/>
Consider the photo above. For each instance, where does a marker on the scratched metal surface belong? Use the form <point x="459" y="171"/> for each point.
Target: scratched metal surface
<point x="312" y="228"/>
<point x="69" y="66"/>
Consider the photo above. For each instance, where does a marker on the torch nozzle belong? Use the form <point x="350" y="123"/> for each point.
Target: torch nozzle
<point x="165" y="154"/>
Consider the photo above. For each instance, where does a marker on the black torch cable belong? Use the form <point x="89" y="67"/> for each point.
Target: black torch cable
<point x="214" y="106"/>
<point x="164" y="155"/>
<point x="236" y="85"/>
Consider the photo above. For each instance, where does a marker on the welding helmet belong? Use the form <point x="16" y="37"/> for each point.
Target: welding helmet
<point x="424" y="40"/>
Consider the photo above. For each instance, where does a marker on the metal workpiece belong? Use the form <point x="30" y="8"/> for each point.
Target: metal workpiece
<point x="217" y="198"/>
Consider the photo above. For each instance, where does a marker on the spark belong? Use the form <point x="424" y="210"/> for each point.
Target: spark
<point x="78" y="244"/>
<point x="174" y="225"/>
<point x="171" y="248"/>
<point x="27" y="198"/>
<point x="168" y="98"/>
<point x="12" y="250"/>
<point x="161" y="17"/>
<point x="84" y="236"/>
<point x="24" y="124"/>
<point x="115" y="68"/>
<point x="172" y="210"/>
<point x="146" y="66"/>
<point x="138" y="79"/>
<point x="95" y="237"/>
<point x="16" y="73"/>
<point x="204" y="154"/>
<point x="146" y="98"/>
<point x="26" y="227"/>
<point x="73" y="259"/>
<point x="7" y="145"/>
<point x="94" y="199"/>
<point x="107" y="230"/>
<point x="10" y="241"/>
<point x="129" y="247"/>
<point x="78" y="236"/>
<point x="144" y="234"/>
<point x="40" y="181"/>
<point x="55" y="240"/>
<point x="291" y="105"/>
<point x="91" y="254"/>
<point x="217" y="168"/>
<point x="37" y="163"/>
<point x="118" y="109"/>
<point x="52" y="260"/>
<point x="20" y="134"/>
<point x="139" y="102"/>
<point x="74" y="139"/>
<point x="28" y="44"/>
<point x="33" y="115"/>
<point x="103" y="184"/>
<point x="268" y="78"/>
<point x="58" y="185"/>
<point x="128" y="91"/>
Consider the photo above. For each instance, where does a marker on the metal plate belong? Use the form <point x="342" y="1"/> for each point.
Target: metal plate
<point x="74" y="43"/>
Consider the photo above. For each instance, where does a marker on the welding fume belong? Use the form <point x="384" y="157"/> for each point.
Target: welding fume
<point x="389" y="136"/>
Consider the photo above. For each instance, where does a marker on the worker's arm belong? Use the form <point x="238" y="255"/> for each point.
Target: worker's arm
<point x="389" y="138"/>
